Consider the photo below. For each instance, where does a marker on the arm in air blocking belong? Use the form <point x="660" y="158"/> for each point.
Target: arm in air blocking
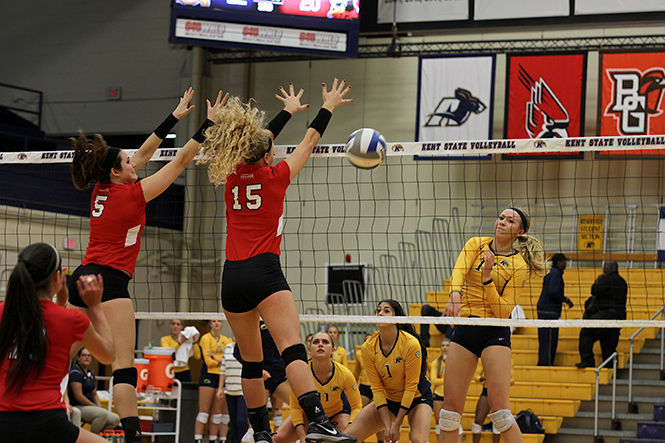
<point x="292" y="105"/>
<point x="150" y="145"/>
<point x="157" y="183"/>
<point x="331" y="100"/>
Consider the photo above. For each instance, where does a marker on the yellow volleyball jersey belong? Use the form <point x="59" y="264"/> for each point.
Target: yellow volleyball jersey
<point x="341" y="381"/>
<point x="216" y="345"/>
<point x="436" y="376"/>
<point x="360" y="369"/>
<point x="169" y="342"/>
<point x="395" y="376"/>
<point x="340" y="355"/>
<point x="498" y="298"/>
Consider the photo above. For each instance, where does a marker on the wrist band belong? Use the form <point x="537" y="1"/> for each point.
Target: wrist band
<point x="321" y="120"/>
<point x="277" y="124"/>
<point x="488" y="282"/>
<point x="165" y="127"/>
<point x="199" y="136"/>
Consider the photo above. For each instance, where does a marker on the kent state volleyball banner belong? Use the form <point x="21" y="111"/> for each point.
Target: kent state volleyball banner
<point x="545" y="96"/>
<point x="632" y="87"/>
<point x="455" y="97"/>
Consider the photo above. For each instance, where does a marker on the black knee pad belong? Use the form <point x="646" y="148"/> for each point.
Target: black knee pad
<point x="252" y="369"/>
<point x="125" y="375"/>
<point x="293" y="353"/>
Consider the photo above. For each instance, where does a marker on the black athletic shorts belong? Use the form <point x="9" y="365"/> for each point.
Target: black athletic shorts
<point x="437" y="397"/>
<point x="115" y="283"/>
<point x="477" y="338"/>
<point x="209" y="380"/>
<point x="366" y="390"/>
<point x="483" y="392"/>
<point x="394" y="406"/>
<point x="37" y="426"/>
<point x="277" y="377"/>
<point x="246" y="283"/>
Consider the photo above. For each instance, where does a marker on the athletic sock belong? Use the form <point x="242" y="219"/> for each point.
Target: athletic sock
<point x="310" y="403"/>
<point x="259" y="419"/>
<point x="132" y="428"/>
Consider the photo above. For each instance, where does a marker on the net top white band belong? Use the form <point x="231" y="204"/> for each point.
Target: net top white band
<point x="426" y="148"/>
<point x="372" y="320"/>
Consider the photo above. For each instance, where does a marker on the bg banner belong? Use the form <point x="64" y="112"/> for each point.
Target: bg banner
<point x="455" y="97"/>
<point x="632" y="85"/>
<point x="617" y="6"/>
<point x="500" y="9"/>
<point x="410" y="11"/>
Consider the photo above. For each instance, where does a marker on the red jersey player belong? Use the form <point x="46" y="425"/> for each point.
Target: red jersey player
<point x="36" y="336"/>
<point x="117" y="217"/>
<point x="240" y="153"/>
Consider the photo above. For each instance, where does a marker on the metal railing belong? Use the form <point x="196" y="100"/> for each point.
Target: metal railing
<point x="632" y="407"/>
<point x="612" y="358"/>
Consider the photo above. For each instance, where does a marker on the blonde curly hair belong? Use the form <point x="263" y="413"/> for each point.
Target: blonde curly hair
<point x="531" y="248"/>
<point x="239" y="136"/>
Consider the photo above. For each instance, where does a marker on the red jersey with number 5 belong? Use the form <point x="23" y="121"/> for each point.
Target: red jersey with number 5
<point x="254" y="198"/>
<point x="117" y="217"/>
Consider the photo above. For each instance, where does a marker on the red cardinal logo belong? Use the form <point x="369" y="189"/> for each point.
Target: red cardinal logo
<point x="546" y="117"/>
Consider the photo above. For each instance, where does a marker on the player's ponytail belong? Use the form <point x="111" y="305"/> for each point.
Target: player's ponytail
<point x="23" y="338"/>
<point x="93" y="160"/>
<point x="530" y="247"/>
<point x="408" y="328"/>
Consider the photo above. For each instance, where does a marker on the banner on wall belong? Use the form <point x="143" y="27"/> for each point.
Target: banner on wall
<point x="632" y="85"/>
<point x="590" y="232"/>
<point x="409" y="11"/>
<point x="661" y="234"/>
<point x="545" y="96"/>
<point x="583" y="7"/>
<point x="507" y="9"/>
<point x="455" y="98"/>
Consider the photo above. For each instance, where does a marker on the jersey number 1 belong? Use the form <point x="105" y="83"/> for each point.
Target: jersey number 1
<point x="253" y="199"/>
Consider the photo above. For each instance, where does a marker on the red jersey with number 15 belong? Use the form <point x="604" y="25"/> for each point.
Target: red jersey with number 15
<point x="254" y="198"/>
<point x="117" y="217"/>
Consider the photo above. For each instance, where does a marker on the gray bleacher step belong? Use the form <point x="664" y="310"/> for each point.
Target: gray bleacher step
<point x="603" y="432"/>
<point x="619" y="415"/>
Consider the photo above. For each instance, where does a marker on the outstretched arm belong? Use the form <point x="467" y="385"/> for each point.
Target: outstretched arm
<point x="292" y="105"/>
<point x="148" y="148"/>
<point x="157" y="183"/>
<point x="331" y="100"/>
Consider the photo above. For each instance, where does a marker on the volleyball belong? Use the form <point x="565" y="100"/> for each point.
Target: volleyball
<point x="366" y="148"/>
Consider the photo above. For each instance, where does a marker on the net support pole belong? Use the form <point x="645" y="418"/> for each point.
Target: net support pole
<point x="198" y="65"/>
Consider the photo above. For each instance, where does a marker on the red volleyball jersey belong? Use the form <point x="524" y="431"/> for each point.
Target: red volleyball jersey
<point x="117" y="217"/>
<point x="64" y="327"/>
<point x="254" y="198"/>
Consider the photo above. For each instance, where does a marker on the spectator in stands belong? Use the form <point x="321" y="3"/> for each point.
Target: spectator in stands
<point x="607" y="302"/>
<point x="175" y="340"/>
<point x="230" y="387"/>
<point x="431" y="311"/>
<point x="549" y="308"/>
<point x="82" y="392"/>
<point x="339" y="355"/>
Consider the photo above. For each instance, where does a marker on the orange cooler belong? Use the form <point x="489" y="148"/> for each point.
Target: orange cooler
<point x="160" y="368"/>
<point x="141" y="365"/>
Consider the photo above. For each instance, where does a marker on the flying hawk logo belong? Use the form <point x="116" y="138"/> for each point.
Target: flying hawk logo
<point x="636" y="96"/>
<point x="546" y="117"/>
<point x="398" y="359"/>
<point x="335" y="388"/>
<point x="455" y="111"/>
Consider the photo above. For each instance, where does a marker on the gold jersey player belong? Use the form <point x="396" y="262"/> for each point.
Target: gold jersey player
<point x="395" y="362"/>
<point x="487" y="282"/>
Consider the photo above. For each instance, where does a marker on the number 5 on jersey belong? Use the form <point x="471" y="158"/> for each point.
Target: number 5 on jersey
<point x="251" y="194"/>
<point x="98" y="205"/>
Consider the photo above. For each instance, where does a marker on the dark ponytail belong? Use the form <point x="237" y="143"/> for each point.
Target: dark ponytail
<point x="23" y="338"/>
<point x="93" y="160"/>
<point x="408" y="328"/>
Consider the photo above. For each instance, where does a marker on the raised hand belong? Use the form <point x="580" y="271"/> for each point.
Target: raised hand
<point x="487" y="265"/>
<point x="291" y="100"/>
<point x="62" y="295"/>
<point x="335" y="97"/>
<point x="214" y="110"/>
<point x="91" y="288"/>
<point x="183" y="107"/>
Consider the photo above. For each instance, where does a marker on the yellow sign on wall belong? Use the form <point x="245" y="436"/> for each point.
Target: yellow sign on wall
<point x="590" y="232"/>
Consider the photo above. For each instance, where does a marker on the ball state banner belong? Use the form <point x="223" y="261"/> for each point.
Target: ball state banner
<point x="545" y="96"/>
<point x="631" y="91"/>
<point x="455" y="97"/>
